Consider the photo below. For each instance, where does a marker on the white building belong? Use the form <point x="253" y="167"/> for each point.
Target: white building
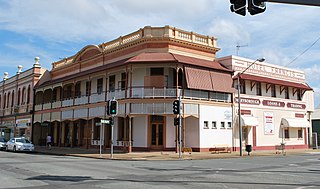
<point x="145" y="71"/>
<point x="276" y="103"/>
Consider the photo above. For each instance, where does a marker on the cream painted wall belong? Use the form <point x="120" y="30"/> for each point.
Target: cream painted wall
<point x="209" y="136"/>
<point x="276" y="138"/>
<point x="192" y="132"/>
<point x="140" y="131"/>
<point x="138" y="76"/>
<point x="170" y="132"/>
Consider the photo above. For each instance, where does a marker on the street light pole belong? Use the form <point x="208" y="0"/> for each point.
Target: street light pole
<point x="239" y="116"/>
<point x="239" y="103"/>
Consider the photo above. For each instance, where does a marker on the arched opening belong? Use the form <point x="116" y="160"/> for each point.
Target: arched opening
<point x="56" y="95"/>
<point x="47" y="96"/>
<point x="39" y="97"/>
<point x="4" y="101"/>
<point x="28" y="94"/>
<point x="12" y="99"/>
<point x="23" y="95"/>
<point x="68" y="91"/>
<point x="8" y="100"/>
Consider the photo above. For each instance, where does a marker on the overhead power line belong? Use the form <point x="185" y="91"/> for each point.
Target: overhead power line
<point x="303" y="51"/>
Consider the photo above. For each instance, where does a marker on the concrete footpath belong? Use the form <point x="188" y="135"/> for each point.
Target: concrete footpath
<point x="162" y="155"/>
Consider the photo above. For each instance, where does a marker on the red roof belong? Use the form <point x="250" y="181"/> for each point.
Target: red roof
<point x="169" y="57"/>
<point x="274" y="81"/>
<point x="146" y="58"/>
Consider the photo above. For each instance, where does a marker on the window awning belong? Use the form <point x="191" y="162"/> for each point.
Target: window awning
<point x="249" y="121"/>
<point x="304" y="86"/>
<point x="208" y="80"/>
<point x="295" y="122"/>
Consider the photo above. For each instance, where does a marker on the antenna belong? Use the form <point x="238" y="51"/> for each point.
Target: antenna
<point x="238" y="48"/>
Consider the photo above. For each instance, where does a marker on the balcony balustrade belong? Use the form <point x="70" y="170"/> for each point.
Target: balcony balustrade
<point x="56" y="104"/>
<point x="81" y="100"/>
<point x="67" y="102"/>
<point x="95" y="98"/>
<point x="8" y="111"/>
<point x="25" y="108"/>
<point x="139" y="93"/>
<point x="47" y="106"/>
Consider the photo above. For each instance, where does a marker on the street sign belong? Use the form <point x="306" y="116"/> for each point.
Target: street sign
<point x="106" y="121"/>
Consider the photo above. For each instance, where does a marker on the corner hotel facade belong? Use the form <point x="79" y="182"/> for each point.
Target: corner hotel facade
<point x="145" y="71"/>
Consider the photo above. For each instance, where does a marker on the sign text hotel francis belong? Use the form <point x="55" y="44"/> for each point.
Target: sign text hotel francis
<point x="269" y="70"/>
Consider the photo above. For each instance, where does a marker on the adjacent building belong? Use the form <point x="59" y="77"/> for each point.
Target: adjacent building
<point x="16" y="101"/>
<point x="315" y="117"/>
<point x="275" y="104"/>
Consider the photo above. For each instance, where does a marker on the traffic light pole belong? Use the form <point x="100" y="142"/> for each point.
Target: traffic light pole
<point x="111" y="145"/>
<point x="179" y="128"/>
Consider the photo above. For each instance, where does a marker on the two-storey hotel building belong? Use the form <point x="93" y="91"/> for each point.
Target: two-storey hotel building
<point x="145" y="71"/>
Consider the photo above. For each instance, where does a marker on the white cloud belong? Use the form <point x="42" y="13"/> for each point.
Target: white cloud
<point x="56" y="20"/>
<point x="279" y="34"/>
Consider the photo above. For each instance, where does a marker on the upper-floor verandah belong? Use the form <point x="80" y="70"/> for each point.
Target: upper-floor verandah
<point x="148" y="75"/>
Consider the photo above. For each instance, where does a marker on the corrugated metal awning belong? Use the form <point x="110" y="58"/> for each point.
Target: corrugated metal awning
<point x="198" y="79"/>
<point x="274" y="81"/>
<point x="208" y="80"/>
<point x="222" y="82"/>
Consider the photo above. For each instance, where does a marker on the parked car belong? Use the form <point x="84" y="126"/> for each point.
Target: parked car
<point x="19" y="144"/>
<point x="3" y="143"/>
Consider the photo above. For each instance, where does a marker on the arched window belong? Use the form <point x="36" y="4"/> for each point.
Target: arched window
<point x="8" y="100"/>
<point x="28" y="94"/>
<point x="23" y="95"/>
<point x="12" y="99"/>
<point x="4" y="101"/>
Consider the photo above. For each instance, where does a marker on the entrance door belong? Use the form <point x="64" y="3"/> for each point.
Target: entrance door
<point x="157" y="135"/>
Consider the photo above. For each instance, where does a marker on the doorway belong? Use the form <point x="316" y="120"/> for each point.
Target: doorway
<point x="157" y="130"/>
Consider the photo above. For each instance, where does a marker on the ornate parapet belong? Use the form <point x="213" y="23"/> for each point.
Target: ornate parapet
<point x="147" y="33"/>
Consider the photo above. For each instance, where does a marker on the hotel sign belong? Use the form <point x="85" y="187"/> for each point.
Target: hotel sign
<point x="251" y="101"/>
<point x="269" y="70"/>
<point x="273" y="103"/>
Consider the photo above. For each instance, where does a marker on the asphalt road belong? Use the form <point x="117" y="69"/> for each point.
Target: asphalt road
<point x="23" y="170"/>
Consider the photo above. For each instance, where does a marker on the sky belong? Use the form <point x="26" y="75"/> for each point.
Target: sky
<point x="55" y="29"/>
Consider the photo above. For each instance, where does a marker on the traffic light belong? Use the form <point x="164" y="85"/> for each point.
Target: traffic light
<point x="238" y="6"/>
<point x="113" y="107"/>
<point x="176" y="121"/>
<point x="111" y="120"/>
<point x="256" y="6"/>
<point x="176" y="107"/>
